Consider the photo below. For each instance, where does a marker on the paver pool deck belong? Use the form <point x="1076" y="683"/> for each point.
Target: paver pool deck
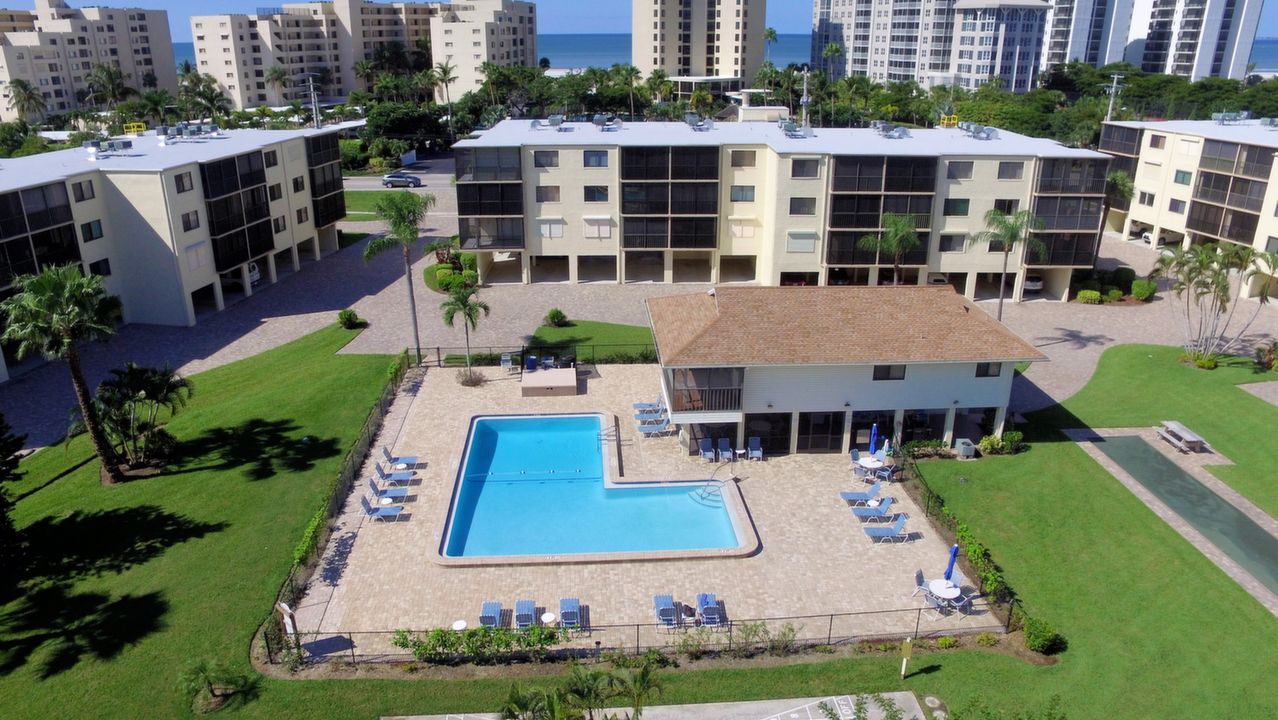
<point x="815" y="560"/>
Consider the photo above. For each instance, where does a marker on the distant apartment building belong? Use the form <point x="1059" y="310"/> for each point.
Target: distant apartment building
<point x="56" y="46"/>
<point x="1198" y="181"/>
<point x="238" y="50"/>
<point x="176" y="227"/>
<point x="964" y="43"/>
<point x="713" y="39"/>
<point x="1091" y="31"/>
<point x="757" y="203"/>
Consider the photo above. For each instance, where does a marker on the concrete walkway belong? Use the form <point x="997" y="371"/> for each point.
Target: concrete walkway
<point x="791" y="709"/>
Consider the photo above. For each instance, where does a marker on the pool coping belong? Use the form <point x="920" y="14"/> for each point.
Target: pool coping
<point x="748" y="542"/>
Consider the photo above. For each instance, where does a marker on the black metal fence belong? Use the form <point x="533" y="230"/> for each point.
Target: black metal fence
<point x="557" y="353"/>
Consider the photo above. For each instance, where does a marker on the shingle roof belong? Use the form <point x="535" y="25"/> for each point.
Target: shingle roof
<point x="829" y="326"/>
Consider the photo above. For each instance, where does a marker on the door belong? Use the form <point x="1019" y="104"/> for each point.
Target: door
<point x="820" y="432"/>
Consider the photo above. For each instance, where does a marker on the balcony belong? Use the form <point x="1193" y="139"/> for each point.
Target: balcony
<point x="714" y="399"/>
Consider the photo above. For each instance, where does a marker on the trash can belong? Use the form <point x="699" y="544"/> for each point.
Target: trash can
<point x="964" y="449"/>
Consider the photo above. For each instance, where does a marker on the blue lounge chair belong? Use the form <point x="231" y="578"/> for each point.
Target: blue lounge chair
<point x="862" y="497"/>
<point x="655" y="405"/>
<point x="525" y="614"/>
<point x="395" y="477"/>
<point x="570" y="613"/>
<point x="754" y="446"/>
<point x="708" y="609"/>
<point x="396" y="493"/>
<point x="667" y="613"/>
<point x="725" y="450"/>
<point x="380" y="512"/>
<point x="651" y="416"/>
<point x="877" y="512"/>
<point x="394" y="460"/>
<point x="707" y="450"/>
<point x="887" y="533"/>
<point x="658" y="428"/>
<point x="490" y="614"/>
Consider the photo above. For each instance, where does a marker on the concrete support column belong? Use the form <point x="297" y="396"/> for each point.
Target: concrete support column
<point x="271" y="274"/>
<point x="898" y="425"/>
<point x="847" y="431"/>
<point x="572" y="270"/>
<point x="190" y="322"/>
<point x="525" y="272"/>
<point x="969" y="287"/>
<point x="714" y="268"/>
<point x="1018" y="285"/>
<point x="315" y="249"/>
<point x="297" y="261"/>
<point x="667" y="270"/>
<point x="794" y="433"/>
<point x="1126" y="229"/>
<point x="741" y="433"/>
<point x="874" y="275"/>
<point x="218" y="300"/>
<point x="621" y="266"/>
<point x="4" y="371"/>
<point x="244" y="279"/>
<point x="1000" y="416"/>
<point x="1153" y="237"/>
<point x="948" y="433"/>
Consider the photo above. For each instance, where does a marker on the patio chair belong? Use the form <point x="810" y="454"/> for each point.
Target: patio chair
<point x="861" y="497"/>
<point x="708" y="609"/>
<point x="860" y="473"/>
<point x="667" y="613"/>
<point x="649" y="405"/>
<point x="754" y="448"/>
<point x="887" y="533"/>
<point x="856" y="456"/>
<point x="570" y="613"/>
<point x="548" y="362"/>
<point x="395" y="493"/>
<point x="877" y="512"/>
<point x="394" y="460"/>
<point x="706" y="449"/>
<point x="920" y="583"/>
<point x="962" y="584"/>
<point x="887" y="473"/>
<point x="525" y="614"/>
<point x="650" y="416"/>
<point x="508" y="363"/>
<point x="659" y="428"/>
<point x="936" y="607"/>
<point x="380" y="512"/>
<point x="961" y="605"/>
<point x="725" y="450"/>
<point x="395" y="477"/>
<point x="881" y="455"/>
<point x="490" y="614"/>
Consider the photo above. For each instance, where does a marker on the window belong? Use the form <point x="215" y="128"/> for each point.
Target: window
<point x="1176" y="206"/>
<point x="594" y="158"/>
<point x="545" y="158"/>
<point x="889" y="372"/>
<point x="741" y="193"/>
<point x="1183" y="177"/>
<point x="1011" y="170"/>
<point x="275" y="192"/>
<point x="803" y="206"/>
<point x="279" y="224"/>
<point x="1157" y="141"/>
<point x="956" y="207"/>
<point x="552" y="228"/>
<point x="741" y="229"/>
<point x="271" y="158"/>
<point x="91" y="231"/>
<point x="799" y="241"/>
<point x="742" y="158"/>
<point x="1146" y="199"/>
<point x="989" y="369"/>
<point x="1007" y="207"/>
<point x="190" y="220"/>
<point x="596" y="193"/>
<point x="598" y="229"/>
<point x="82" y="190"/>
<point x="958" y="170"/>
<point x="101" y="267"/>
<point x="953" y="243"/>
<point x="548" y="194"/>
<point x="303" y="214"/>
<point x="183" y="182"/>
<point x="804" y="167"/>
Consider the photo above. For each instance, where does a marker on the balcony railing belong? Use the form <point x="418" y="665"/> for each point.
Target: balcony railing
<point x="706" y="399"/>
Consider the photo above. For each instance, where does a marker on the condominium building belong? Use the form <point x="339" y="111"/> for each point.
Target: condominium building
<point x="1091" y="31"/>
<point x="311" y="37"/>
<point x="176" y="227"/>
<point x="1198" y="181"/>
<point x="1194" y="38"/>
<point x="698" y="38"/>
<point x="752" y="202"/>
<point x="55" y="47"/>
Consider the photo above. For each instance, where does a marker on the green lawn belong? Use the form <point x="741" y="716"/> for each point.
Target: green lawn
<point x="362" y="204"/>
<point x="347" y="239"/>
<point x="585" y="332"/>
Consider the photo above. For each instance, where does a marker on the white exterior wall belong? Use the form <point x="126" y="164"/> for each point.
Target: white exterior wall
<point x="738" y="37"/>
<point x="827" y="388"/>
<point x="784" y="223"/>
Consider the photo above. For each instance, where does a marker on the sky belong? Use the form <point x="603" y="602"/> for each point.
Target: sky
<point x="554" y="16"/>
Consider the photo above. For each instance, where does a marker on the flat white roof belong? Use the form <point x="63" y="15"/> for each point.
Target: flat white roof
<point x="1250" y="132"/>
<point x="835" y="141"/>
<point x="146" y="155"/>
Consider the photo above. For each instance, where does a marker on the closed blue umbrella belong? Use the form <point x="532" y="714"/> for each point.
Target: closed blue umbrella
<point x="949" y="569"/>
<point x="874" y="436"/>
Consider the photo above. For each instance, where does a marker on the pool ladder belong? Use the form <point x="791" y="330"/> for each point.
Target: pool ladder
<point x="710" y="494"/>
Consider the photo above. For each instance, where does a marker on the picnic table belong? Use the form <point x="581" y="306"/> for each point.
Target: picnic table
<point x="1181" y="437"/>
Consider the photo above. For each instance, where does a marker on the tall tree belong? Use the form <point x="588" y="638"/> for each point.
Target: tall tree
<point x="629" y="74"/>
<point x="425" y="81"/>
<point x="446" y="75"/>
<point x="209" y="101"/>
<point x="462" y="301"/>
<point x="278" y="78"/>
<point x="638" y="687"/>
<point x="52" y="313"/>
<point x="828" y="54"/>
<point x="1007" y="232"/>
<point x="588" y="690"/>
<point x="898" y="239"/>
<point x="769" y="39"/>
<point x="108" y="85"/>
<point x="157" y="104"/>
<point x="366" y="71"/>
<point x="403" y="212"/>
<point x="655" y="84"/>
<point x="701" y="101"/>
<point x="26" y="99"/>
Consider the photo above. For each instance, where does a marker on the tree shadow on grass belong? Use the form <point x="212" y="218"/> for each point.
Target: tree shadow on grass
<point x="63" y="627"/>
<point x="262" y="448"/>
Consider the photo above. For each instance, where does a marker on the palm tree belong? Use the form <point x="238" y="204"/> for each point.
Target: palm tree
<point x="26" y="99"/>
<point x="1008" y="231"/>
<point x="278" y="78"/>
<point x="491" y="72"/>
<point x="637" y="687"/>
<point x="769" y="37"/>
<point x="898" y="239"/>
<point x="52" y="313"/>
<point x="655" y="83"/>
<point x="446" y="75"/>
<point x="157" y="104"/>
<point x="829" y="53"/>
<point x="211" y="102"/>
<point x="138" y="394"/>
<point x="425" y="81"/>
<point x="186" y="70"/>
<point x="462" y="301"/>
<point x="403" y="212"/>
<point x="629" y="74"/>
<point x="588" y="690"/>
<point x="365" y="70"/>
<point x="421" y="53"/>
<point x="1118" y="191"/>
<point x="107" y="84"/>
<point x="701" y="101"/>
<point x="522" y="704"/>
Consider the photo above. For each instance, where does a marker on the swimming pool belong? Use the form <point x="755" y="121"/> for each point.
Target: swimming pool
<point x="538" y="486"/>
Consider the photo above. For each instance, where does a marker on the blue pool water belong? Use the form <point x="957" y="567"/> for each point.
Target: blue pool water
<point x="535" y="486"/>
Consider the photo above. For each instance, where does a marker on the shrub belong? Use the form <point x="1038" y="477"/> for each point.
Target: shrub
<point x="469" y="261"/>
<point x="1267" y="356"/>
<point x="555" y="318"/>
<point x="353" y="155"/>
<point x="348" y="319"/>
<point x="1041" y="637"/>
<point x="469" y="278"/>
<point x="1113" y="294"/>
<point x="1091" y="285"/>
<point x="470" y="378"/>
<point x="991" y="445"/>
<point x="781" y="642"/>
<point x="1204" y="362"/>
<point x="1013" y="442"/>
<point x="926" y="448"/>
<point x="945" y="642"/>
<point x="1089" y="297"/>
<point x="1104" y="277"/>
<point x="746" y="638"/>
<point x="1122" y="278"/>
<point x="986" y="639"/>
<point x="695" y="644"/>
<point x="443" y="275"/>
<point x="1143" y="290"/>
<point x="310" y="537"/>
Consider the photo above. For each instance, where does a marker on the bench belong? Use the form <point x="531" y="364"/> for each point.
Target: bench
<point x="1182" y="437"/>
<point x="1175" y="441"/>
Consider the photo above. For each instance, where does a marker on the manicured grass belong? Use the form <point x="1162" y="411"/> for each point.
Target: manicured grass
<point x="362" y="204"/>
<point x="346" y="239"/>
<point x="588" y="332"/>
<point x="138" y="580"/>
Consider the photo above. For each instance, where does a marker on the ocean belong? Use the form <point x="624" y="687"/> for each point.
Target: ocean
<point x="606" y="50"/>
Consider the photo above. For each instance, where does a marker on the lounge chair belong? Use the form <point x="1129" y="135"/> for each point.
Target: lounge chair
<point x="876" y="512"/>
<point x="490" y="614"/>
<point x="658" y="428"/>
<point x="725" y="450"/>
<point x="380" y="512"/>
<point x="395" y="477"/>
<point x="570" y="613"/>
<point x="508" y="363"/>
<point x="394" y="460"/>
<point x="920" y="583"/>
<point x="650" y="416"/>
<point x="887" y="533"/>
<point x="525" y="614"/>
<point x="395" y="493"/>
<point x="706" y="449"/>
<point x="708" y="609"/>
<point x="656" y="404"/>
<point x="667" y="613"/>
<point x="861" y="497"/>
<point x="754" y="448"/>
<point x="548" y="362"/>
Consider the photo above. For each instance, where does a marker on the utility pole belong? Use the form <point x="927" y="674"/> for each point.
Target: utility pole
<point x="315" y="108"/>
<point x="1113" y="93"/>
<point x="806" y="100"/>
